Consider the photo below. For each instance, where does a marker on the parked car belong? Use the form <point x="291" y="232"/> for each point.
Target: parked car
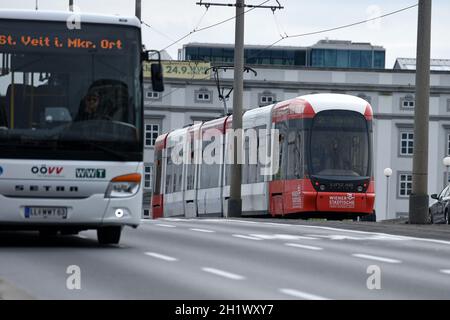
<point x="439" y="211"/>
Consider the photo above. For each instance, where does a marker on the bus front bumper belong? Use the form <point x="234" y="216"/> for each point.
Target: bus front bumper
<point x="92" y="212"/>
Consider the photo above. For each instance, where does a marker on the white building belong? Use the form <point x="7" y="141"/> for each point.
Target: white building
<point x="390" y="92"/>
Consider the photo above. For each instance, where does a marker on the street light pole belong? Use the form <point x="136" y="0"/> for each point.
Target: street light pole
<point x="418" y="200"/>
<point x="387" y="173"/>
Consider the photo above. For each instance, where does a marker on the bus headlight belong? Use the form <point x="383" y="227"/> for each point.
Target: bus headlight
<point x="124" y="186"/>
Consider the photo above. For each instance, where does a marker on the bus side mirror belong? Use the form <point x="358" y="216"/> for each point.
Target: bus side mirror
<point x="156" y="68"/>
<point x="157" y="77"/>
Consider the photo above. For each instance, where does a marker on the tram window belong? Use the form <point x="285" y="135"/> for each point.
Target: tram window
<point x="282" y="127"/>
<point x="295" y="154"/>
<point x="210" y="173"/>
<point x="169" y="172"/>
<point x="246" y="166"/>
<point x="340" y="144"/>
<point x="177" y="174"/>
<point x="253" y="161"/>
<point x="190" y="170"/>
<point x="260" y="141"/>
<point x="177" y="177"/>
<point x="249" y="168"/>
<point x="157" y="173"/>
<point x="227" y="174"/>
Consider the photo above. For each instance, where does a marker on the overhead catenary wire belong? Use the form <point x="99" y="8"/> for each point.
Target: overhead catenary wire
<point x="281" y="30"/>
<point x="313" y="33"/>
<point x="195" y="30"/>
<point x="157" y="31"/>
<point x="286" y="36"/>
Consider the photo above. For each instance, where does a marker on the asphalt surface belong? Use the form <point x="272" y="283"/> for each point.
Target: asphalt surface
<point x="227" y="259"/>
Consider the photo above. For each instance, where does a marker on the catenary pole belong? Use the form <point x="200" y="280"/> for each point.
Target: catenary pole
<point x="418" y="201"/>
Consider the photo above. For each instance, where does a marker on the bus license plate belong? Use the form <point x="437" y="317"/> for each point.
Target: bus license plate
<point x="45" y="212"/>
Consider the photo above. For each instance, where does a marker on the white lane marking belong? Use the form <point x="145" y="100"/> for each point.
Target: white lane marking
<point x="244" y="221"/>
<point x="445" y="271"/>
<point x="202" y="230"/>
<point x="161" y="256"/>
<point x="281" y="237"/>
<point x="347" y="237"/>
<point x="165" y="225"/>
<point x="277" y="224"/>
<point x="370" y="257"/>
<point x="324" y="228"/>
<point x="302" y="246"/>
<point x="223" y="273"/>
<point x="302" y="295"/>
<point x="173" y="219"/>
<point x="376" y="233"/>
<point x="246" y="237"/>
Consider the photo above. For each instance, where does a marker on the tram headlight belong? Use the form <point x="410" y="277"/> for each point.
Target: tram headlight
<point x="124" y="186"/>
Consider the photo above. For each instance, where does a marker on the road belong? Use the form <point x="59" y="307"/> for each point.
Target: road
<point x="228" y="259"/>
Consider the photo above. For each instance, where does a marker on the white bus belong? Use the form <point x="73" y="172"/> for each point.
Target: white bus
<point x="71" y="119"/>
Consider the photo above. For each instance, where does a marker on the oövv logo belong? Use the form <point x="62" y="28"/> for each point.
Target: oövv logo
<point x="47" y="171"/>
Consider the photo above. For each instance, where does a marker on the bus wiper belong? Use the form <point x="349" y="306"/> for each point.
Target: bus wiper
<point x="109" y="151"/>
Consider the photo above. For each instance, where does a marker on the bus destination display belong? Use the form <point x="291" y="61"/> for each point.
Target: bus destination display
<point x="10" y="42"/>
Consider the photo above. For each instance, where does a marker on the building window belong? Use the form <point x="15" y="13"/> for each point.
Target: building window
<point x="407" y="102"/>
<point x="148" y="174"/>
<point x="203" y="95"/>
<point x="266" y="98"/>
<point x="448" y="144"/>
<point x="151" y="134"/>
<point x="404" y="185"/>
<point x="406" y="143"/>
<point x="153" y="95"/>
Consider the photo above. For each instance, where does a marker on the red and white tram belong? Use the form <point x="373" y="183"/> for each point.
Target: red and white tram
<point x="324" y="152"/>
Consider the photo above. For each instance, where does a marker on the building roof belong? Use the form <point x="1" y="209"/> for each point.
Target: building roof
<point x="63" y="16"/>
<point x="345" y="44"/>
<point x="322" y="44"/>
<point x="247" y="46"/>
<point x="410" y="64"/>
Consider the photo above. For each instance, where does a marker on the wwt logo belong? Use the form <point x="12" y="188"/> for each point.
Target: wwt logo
<point x="90" y="173"/>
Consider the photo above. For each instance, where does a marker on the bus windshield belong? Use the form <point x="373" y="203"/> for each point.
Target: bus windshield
<point x="70" y="94"/>
<point x="340" y="144"/>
